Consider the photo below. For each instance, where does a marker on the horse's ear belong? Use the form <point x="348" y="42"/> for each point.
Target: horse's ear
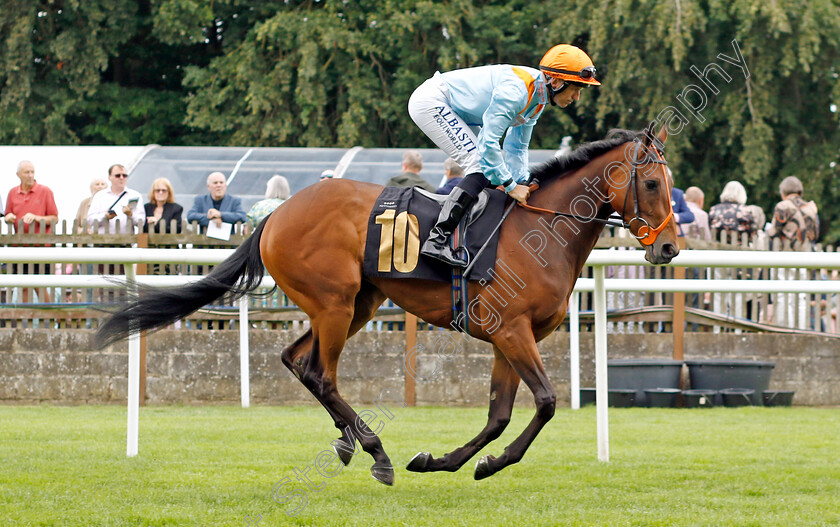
<point x="662" y="135"/>
<point x="648" y="135"/>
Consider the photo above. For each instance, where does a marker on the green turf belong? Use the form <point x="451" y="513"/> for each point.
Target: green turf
<point x="212" y="466"/>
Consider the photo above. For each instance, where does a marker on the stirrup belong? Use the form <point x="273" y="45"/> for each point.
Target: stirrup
<point x="444" y="254"/>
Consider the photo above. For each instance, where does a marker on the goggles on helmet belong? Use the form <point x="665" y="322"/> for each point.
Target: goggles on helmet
<point x="587" y="73"/>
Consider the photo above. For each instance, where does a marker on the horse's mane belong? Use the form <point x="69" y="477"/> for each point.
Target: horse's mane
<point x="560" y="166"/>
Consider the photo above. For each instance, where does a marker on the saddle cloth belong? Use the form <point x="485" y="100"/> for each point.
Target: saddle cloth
<point x="400" y="223"/>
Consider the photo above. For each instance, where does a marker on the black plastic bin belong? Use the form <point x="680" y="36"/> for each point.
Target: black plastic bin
<point x="662" y="397"/>
<point x="643" y="374"/>
<point x="587" y="396"/>
<point x="777" y="398"/>
<point x="737" y="396"/>
<point x="621" y="398"/>
<point x="720" y="374"/>
<point x="700" y="398"/>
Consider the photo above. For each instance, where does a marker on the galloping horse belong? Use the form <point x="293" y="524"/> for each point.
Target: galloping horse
<point x="314" y="244"/>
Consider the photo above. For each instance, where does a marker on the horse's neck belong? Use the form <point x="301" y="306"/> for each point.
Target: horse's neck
<point x="582" y="192"/>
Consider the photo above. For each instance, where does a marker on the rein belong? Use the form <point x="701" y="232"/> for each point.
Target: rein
<point x="645" y="231"/>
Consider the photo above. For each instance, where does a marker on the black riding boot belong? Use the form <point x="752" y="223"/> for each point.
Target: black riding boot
<point x="453" y="209"/>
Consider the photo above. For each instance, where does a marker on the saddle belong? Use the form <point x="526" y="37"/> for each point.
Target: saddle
<point x="476" y="210"/>
<point x="399" y="224"/>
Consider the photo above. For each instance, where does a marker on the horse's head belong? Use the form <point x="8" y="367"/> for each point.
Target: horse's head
<point x="644" y="197"/>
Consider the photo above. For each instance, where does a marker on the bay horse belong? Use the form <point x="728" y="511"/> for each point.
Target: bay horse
<point x="313" y="246"/>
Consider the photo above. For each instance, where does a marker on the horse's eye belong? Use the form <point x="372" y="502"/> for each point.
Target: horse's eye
<point x="651" y="185"/>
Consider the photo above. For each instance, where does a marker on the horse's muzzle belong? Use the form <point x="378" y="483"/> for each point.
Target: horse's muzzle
<point x="661" y="253"/>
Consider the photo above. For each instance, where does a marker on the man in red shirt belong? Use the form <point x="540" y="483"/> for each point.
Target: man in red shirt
<point x="30" y="202"/>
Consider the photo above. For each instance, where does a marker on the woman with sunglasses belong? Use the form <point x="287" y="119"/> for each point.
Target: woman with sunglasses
<point x="161" y="208"/>
<point x="467" y="112"/>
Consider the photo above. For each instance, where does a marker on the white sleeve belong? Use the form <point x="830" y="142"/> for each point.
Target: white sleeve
<point x="98" y="207"/>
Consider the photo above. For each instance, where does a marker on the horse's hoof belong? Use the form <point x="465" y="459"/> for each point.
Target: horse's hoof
<point x="383" y="473"/>
<point x="344" y="454"/>
<point x="420" y="462"/>
<point x="482" y="468"/>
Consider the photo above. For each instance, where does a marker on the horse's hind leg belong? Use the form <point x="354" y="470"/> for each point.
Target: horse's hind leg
<point x="503" y="384"/>
<point x="296" y="357"/>
<point x="317" y="371"/>
<point x="367" y="302"/>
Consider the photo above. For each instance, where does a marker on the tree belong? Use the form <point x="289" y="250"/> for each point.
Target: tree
<point x="330" y="73"/>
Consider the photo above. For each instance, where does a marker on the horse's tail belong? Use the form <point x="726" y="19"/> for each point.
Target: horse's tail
<point x="157" y="307"/>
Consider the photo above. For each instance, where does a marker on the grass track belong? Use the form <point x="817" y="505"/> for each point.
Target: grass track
<point x="213" y="466"/>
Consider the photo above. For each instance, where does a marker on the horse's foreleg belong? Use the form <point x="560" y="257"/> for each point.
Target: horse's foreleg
<point x="503" y="384"/>
<point x="520" y="349"/>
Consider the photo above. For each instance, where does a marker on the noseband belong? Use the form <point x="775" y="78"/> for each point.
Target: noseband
<point x="645" y="233"/>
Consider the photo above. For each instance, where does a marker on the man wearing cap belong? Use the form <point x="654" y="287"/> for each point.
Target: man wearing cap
<point x="467" y="112"/>
<point x="794" y="219"/>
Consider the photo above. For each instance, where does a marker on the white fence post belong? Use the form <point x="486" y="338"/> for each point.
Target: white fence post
<point x="244" y="353"/>
<point x="601" y="394"/>
<point x="574" y="349"/>
<point x="133" y="425"/>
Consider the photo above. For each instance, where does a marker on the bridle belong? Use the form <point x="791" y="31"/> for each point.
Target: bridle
<point x="645" y="230"/>
<point x="645" y="233"/>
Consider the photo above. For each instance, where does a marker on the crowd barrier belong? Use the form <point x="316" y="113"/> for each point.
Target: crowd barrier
<point x="598" y="285"/>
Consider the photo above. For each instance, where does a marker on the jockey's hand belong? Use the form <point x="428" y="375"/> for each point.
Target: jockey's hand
<point x="520" y="193"/>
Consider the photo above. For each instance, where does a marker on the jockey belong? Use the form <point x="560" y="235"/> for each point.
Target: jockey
<point x="467" y="112"/>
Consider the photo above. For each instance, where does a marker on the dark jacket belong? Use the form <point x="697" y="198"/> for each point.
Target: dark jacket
<point x="681" y="209"/>
<point x="171" y="211"/>
<point x="449" y="185"/>
<point x="231" y="209"/>
<point x="409" y="179"/>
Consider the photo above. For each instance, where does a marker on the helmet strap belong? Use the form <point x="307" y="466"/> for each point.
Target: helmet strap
<point x="552" y="93"/>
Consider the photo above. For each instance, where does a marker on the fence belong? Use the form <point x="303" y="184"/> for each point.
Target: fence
<point x="652" y="312"/>
<point x="630" y="312"/>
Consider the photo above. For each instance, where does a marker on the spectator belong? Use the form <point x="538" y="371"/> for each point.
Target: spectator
<point x="117" y="204"/>
<point x="454" y="174"/>
<point x="30" y="202"/>
<point x="412" y="164"/>
<point x="699" y="228"/>
<point x="732" y="214"/>
<point x="161" y="208"/>
<point x="217" y="206"/>
<point x="96" y="185"/>
<point x="276" y="192"/>
<point x="327" y="174"/>
<point x="682" y="214"/>
<point x="794" y="219"/>
<point x="761" y="221"/>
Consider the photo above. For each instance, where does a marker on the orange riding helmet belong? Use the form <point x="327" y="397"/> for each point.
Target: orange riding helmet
<point x="569" y="63"/>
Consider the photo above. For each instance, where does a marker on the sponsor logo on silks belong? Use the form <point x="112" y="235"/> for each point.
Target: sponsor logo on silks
<point x="456" y="133"/>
